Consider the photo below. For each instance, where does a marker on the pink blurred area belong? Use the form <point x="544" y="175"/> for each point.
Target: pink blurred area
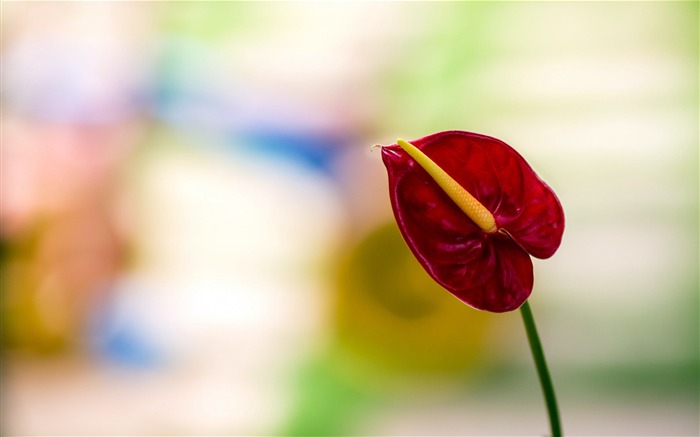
<point x="196" y="237"/>
<point x="68" y="132"/>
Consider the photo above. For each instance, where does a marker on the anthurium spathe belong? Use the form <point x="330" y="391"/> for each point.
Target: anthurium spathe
<point x="472" y="211"/>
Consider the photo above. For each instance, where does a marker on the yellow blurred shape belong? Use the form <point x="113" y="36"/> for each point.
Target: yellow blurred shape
<point x="390" y="311"/>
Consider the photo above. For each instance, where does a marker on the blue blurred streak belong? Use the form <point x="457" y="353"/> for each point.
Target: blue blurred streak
<point x="313" y="151"/>
<point x="118" y="336"/>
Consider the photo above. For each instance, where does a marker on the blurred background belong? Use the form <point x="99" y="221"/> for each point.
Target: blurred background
<point x="196" y="238"/>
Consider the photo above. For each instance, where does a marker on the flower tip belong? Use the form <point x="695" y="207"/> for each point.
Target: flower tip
<point x="376" y="146"/>
<point x="403" y="143"/>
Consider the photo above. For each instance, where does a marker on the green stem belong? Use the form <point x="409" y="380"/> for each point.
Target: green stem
<point x="541" y="364"/>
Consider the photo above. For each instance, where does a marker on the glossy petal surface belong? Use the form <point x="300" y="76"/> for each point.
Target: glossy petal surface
<point x="488" y="271"/>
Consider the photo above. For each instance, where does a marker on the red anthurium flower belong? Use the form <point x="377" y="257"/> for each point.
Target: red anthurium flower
<point x="473" y="211"/>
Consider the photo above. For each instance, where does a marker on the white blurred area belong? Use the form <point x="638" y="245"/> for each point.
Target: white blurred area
<point x="180" y="182"/>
